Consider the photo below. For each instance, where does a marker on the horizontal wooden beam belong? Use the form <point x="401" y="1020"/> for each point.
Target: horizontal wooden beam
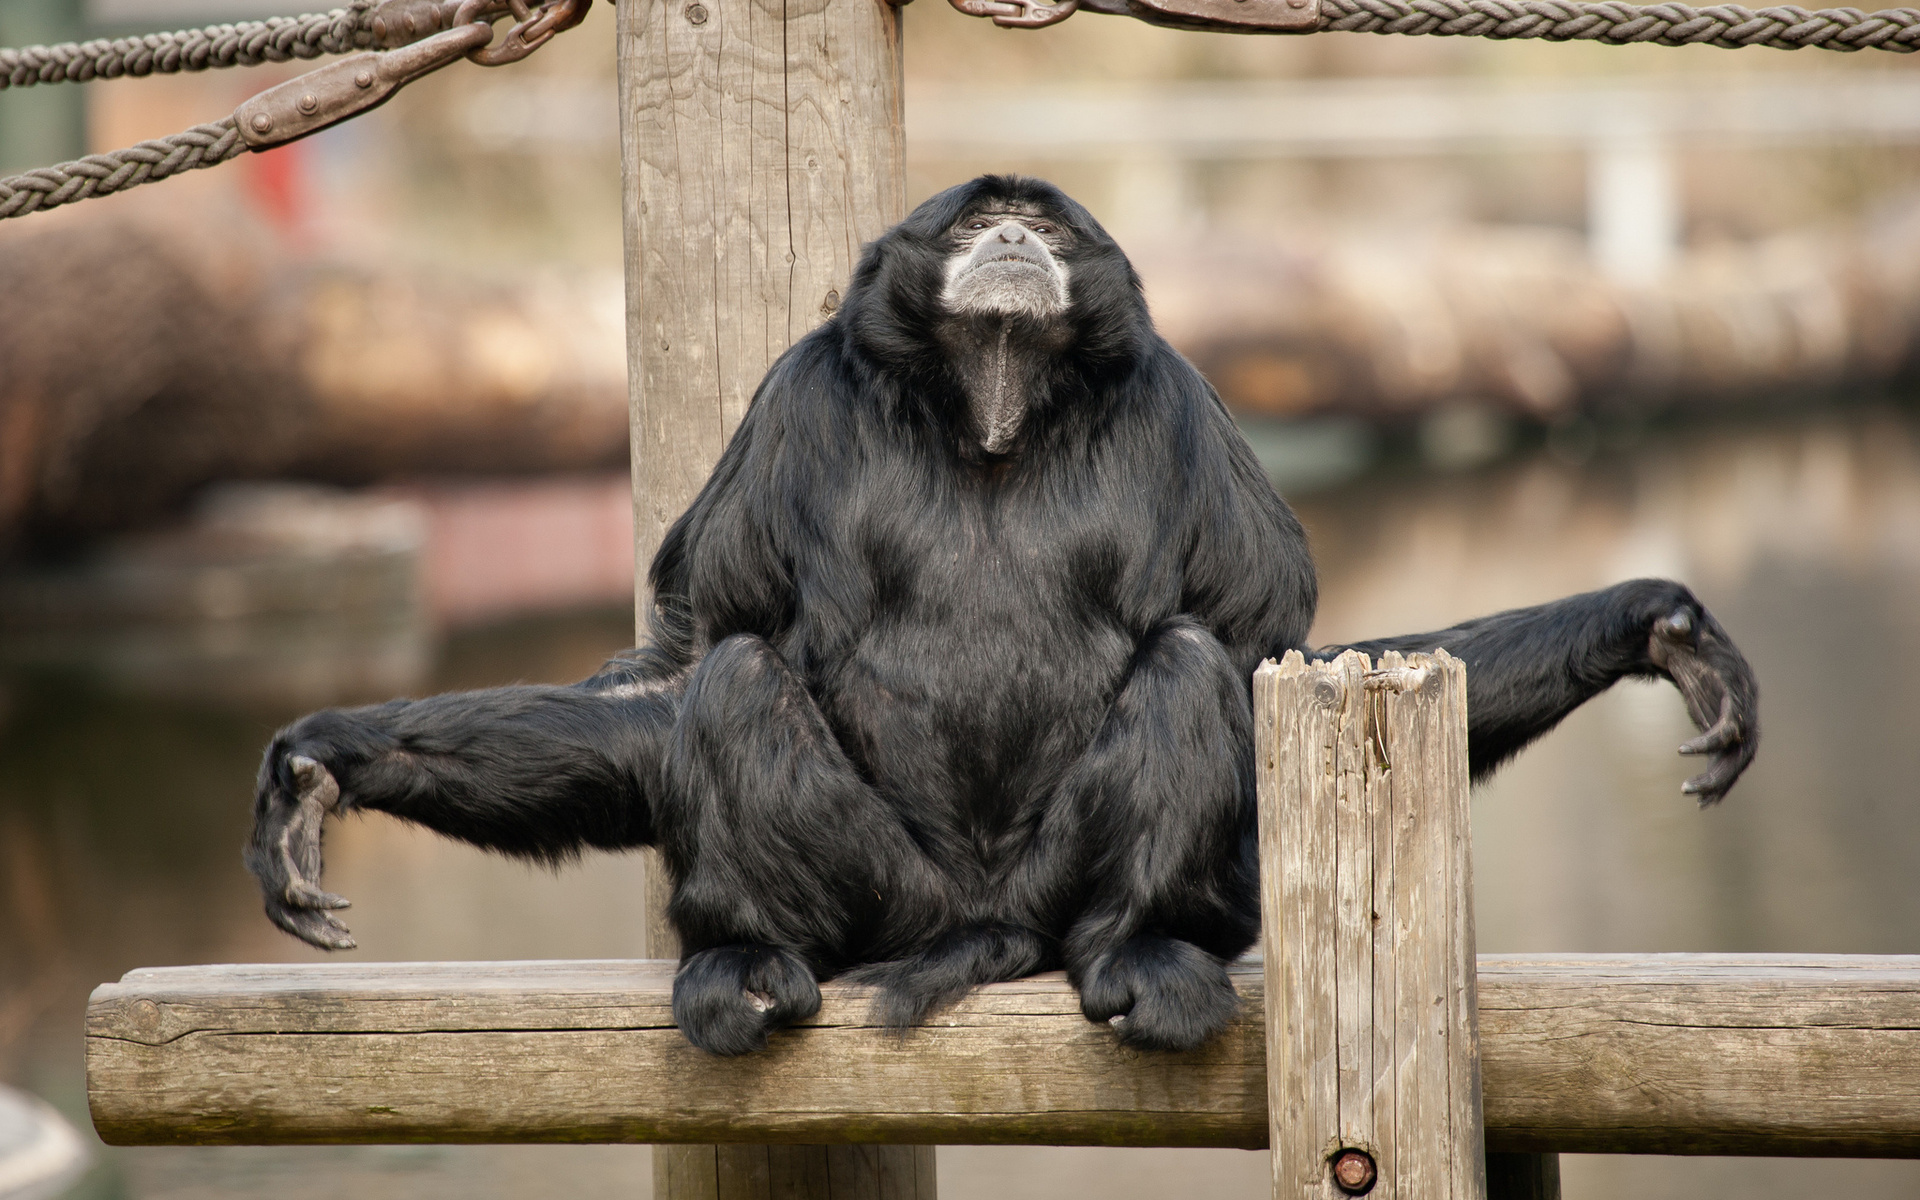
<point x="1664" y="1054"/>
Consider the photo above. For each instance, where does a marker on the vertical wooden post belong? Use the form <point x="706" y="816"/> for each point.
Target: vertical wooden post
<point x="1373" y="1064"/>
<point x="762" y="145"/>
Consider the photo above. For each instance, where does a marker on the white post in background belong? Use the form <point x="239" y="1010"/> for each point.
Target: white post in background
<point x="1633" y="205"/>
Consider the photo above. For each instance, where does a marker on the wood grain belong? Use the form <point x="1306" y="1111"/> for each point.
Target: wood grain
<point x="1367" y="905"/>
<point x="762" y="145"/>
<point x="1609" y="1054"/>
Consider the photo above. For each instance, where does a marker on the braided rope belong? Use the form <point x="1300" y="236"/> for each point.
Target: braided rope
<point x="102" y="174"/>
<point x="1726" y="25"/>
<point x="245" y="44"/>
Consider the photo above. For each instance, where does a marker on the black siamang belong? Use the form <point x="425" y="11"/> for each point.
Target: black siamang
<point x="948" y="677"/>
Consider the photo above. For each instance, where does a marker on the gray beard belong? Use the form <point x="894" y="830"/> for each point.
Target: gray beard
<point x="1007" y="289"/>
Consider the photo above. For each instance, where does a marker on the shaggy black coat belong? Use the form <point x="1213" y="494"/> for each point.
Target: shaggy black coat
<point x="935" y="717"/>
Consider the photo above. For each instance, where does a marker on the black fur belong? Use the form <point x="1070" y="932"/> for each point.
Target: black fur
<point x="932" y="717"/>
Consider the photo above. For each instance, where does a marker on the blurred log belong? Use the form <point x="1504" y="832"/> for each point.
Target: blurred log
<point x="1521" y="320"/>
<point x="134" y="370"/>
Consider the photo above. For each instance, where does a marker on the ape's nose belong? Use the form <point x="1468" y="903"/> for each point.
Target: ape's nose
<point x="1013" y="233"/>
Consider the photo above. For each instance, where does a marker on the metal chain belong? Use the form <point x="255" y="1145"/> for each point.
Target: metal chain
<point x="103" y="174"/>
<point x="246" y="44"/>
<point x="1725" y="25"/>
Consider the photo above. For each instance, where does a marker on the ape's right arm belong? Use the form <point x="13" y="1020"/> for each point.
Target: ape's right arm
<point x="537" y="772"/>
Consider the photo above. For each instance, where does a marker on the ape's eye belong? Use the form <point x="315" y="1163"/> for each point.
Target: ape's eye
<point x="1043" y="227"/>
<point x="976" y="223"/>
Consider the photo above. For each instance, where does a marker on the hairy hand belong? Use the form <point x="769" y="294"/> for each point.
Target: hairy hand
<point x="295" y="795"/>
<point x="1722" y="696"/>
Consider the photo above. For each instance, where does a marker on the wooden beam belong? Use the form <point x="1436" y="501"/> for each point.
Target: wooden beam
<point x="1626" y="1054"/>
<point x="1367" y="907"/>
<point x="761" y="145"/>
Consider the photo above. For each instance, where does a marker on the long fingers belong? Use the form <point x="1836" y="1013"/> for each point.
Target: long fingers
<point x="1725" y="734"/>
<point x="1711" y="785"/>
<point x="1721" y="696"/>
<point x="290" y="869"/>
<point x="313" y="926"/>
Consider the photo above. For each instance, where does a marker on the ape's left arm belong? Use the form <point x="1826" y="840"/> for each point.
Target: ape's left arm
<point x="1529" y="667"/>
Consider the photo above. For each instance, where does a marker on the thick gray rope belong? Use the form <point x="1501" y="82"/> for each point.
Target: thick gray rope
<point x="102" y="174"/>
<point x="245" y="44"/>
<point x="1726" y="25"/>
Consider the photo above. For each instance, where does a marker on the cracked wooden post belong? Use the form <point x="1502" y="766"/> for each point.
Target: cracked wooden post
<point x="762" y="145"/>
<point x="1373" y="1066"/>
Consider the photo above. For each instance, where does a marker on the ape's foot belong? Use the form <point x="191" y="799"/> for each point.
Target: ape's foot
<point x="727" y="999"/>
<point x="1159" y="993"/>
<point x="295" y="795"/>
<point x="1721" y="694"/>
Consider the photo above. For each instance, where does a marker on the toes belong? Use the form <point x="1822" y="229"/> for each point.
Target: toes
<point x="727" y="999"/>
<point x="1160" y="994"/>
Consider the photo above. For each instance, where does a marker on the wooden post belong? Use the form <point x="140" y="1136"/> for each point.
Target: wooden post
<point x="762" y="145"/>
<point x="1367" y="908"/>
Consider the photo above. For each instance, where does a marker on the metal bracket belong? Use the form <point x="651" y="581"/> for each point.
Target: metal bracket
<point x="1242" y="16"/>
<point x="1248" y="16"/>
<point x="349" y="87"/>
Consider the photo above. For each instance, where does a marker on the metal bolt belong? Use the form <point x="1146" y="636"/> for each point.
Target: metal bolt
<point x="262" y="122"/>
<point x="1353" y="1170"/>
<point x="308" y="104"/>
<point x="697" y="14"/>
<point x="363" y="79"/>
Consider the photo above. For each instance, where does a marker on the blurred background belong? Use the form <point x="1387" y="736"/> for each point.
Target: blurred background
<point x="1505" y="321"/>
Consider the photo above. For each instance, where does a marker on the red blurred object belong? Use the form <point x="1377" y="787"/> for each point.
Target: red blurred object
<point x="277" y="184"/>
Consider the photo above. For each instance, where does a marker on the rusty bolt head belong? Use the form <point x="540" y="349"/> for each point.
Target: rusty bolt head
<point x="308" y="104"/>
<point x="697" y="14"/>
<point x="363" y="79"/>
<point x="261" y="122"/>
<point x="1354" y="1173"/>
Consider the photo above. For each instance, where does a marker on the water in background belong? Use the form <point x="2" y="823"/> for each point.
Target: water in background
<point x="121" y="820"/>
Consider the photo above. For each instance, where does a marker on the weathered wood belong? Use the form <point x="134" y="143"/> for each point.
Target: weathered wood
<point x="1523" y="1177"/>
<point x="1609" y="1054"/>
<point x="762" y="145"/>
<point x="1367" y="903"/>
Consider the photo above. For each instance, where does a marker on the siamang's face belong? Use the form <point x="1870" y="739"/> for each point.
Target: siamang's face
<point x="1007" y="259"/>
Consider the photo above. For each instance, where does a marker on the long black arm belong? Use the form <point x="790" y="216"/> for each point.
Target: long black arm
<point x="1529" y="667"/>
<point x="536" y="772"/>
